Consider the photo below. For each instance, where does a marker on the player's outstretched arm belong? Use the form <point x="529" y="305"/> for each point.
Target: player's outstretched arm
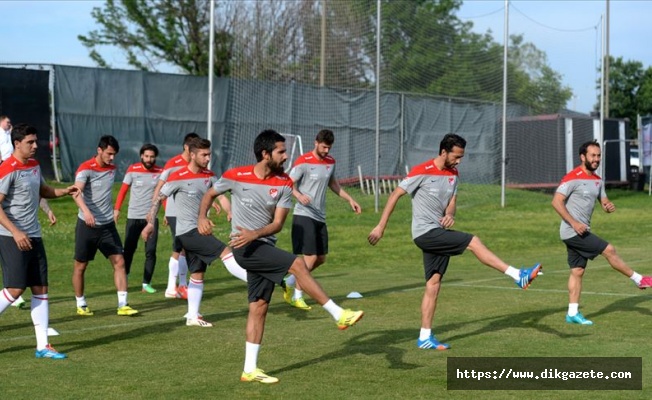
<point x="377" y="233"/>
<point x="337" y="189"/>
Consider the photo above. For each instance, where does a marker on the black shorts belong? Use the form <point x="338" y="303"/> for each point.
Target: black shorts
<point x="438" y="245"/>
<point x="583" y="248"/>
<point x="266" y="266"/>
<point x="201" y="250"/>
<point x="88" y="240"/>
<point x="309" y="236"/>
<point x="22" y="269"/>
<point x="176" y="244"/>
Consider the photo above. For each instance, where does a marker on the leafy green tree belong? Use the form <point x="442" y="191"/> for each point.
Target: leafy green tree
<point x="426" y="48"/>
<point x="150" y="33"/>
<point x="630" y="90"/>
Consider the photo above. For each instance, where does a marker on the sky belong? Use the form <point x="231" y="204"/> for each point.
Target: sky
<point x="567" y="31"/>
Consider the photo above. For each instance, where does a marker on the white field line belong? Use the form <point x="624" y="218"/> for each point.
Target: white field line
<point x="466" y="284"/>
<point x="132" y="322"/>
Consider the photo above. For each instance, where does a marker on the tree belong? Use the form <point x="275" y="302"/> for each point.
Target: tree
<point x="630" y="90"/>
<point x="426" y="48"/>
<point x="150" y="33"/>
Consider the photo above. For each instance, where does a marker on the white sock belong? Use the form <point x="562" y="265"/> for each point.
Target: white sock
<point x="636" y="277"/>
<point x="40" y="318"/>
<point x="573" y="309"/>
<point x="5" y="300"/>
<point x="234" y="268"/>
<point x="81" y="301"/>
<point x="122" y="299"/>
<point x="333" y="309"/>
<point x="183" y="271"/>
<point x="425" y="333"/>
<point x="173" y="268"/>
<point x="195" y="292"/>
<point x="513" y="273"/>
<point x="297" y="294"/>
<point x="291" y="280"/>
<point x="251" y="357"/>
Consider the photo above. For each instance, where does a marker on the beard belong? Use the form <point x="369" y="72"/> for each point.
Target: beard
<point x="589" y="166"/>
<point x="277" y="168"/>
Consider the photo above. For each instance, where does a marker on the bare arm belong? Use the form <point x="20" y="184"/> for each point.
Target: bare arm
<point x="20" y="237"/>
<point x="301" y="198"/>
<point x="559" y="204"/>
<point x="607" y="206"/>
<point x="205" y="225"/>
<point x="246" y="236"/>
<point x="377" y="233"/>
<point x="226" y="206"/>
<point x="45" y="206"/>
<point x="448" y="220"/>
<point x="89" y="219"/>
<point x="151" y="216"/>
<point x="338" y="190"/>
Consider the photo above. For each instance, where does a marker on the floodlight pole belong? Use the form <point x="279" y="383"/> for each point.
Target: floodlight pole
<point x="602" y="94"/>
<point x="504" y="147"/>
<point x="211" y="55"/>
<point x="322" y="61"/>
<point x="377" y="172"/>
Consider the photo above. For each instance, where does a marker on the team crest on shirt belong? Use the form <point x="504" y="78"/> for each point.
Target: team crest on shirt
<point x="207" y="182"/>
<point x="451" y="181"/>
<point x="273" y="192"/>
<point x="597" y="184"/>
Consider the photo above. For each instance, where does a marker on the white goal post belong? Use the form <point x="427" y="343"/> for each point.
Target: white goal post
<point x="294" y="147"/>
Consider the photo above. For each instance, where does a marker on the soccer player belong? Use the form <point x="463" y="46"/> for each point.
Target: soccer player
<point x="574" y="201"/>
<point x="261" y="200"/>
<point x="433" y="188"/>
<point x="311" y="174"/>
<point x="95" y="228"/>
<point x="6" y="150"/>
<point x="177" y="266"/>
<point x="22" y="254"/>
<point x="188" y="185"/>
<point x="142" y="177"/>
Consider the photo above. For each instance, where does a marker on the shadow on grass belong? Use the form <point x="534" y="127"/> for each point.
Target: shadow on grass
<point x="526" y="320"/>
<point x="386" y="342"/>
<point x="301" y="315"/>
<point x="370" y="343"/>
<point x="628" y="304"/>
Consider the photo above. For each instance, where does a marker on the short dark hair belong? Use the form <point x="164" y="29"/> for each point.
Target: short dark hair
<point x="325" y="136"/>
<point x="266" y="141"/>
<point x="150" y="147"/>
<point x="585" y="146"/>
<point x="108" y="140"/>
<point x="189" y="136"/>
<point x="451" y="140"/>
<point x="20" y="131"/>
<point x="198" y="144"/>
